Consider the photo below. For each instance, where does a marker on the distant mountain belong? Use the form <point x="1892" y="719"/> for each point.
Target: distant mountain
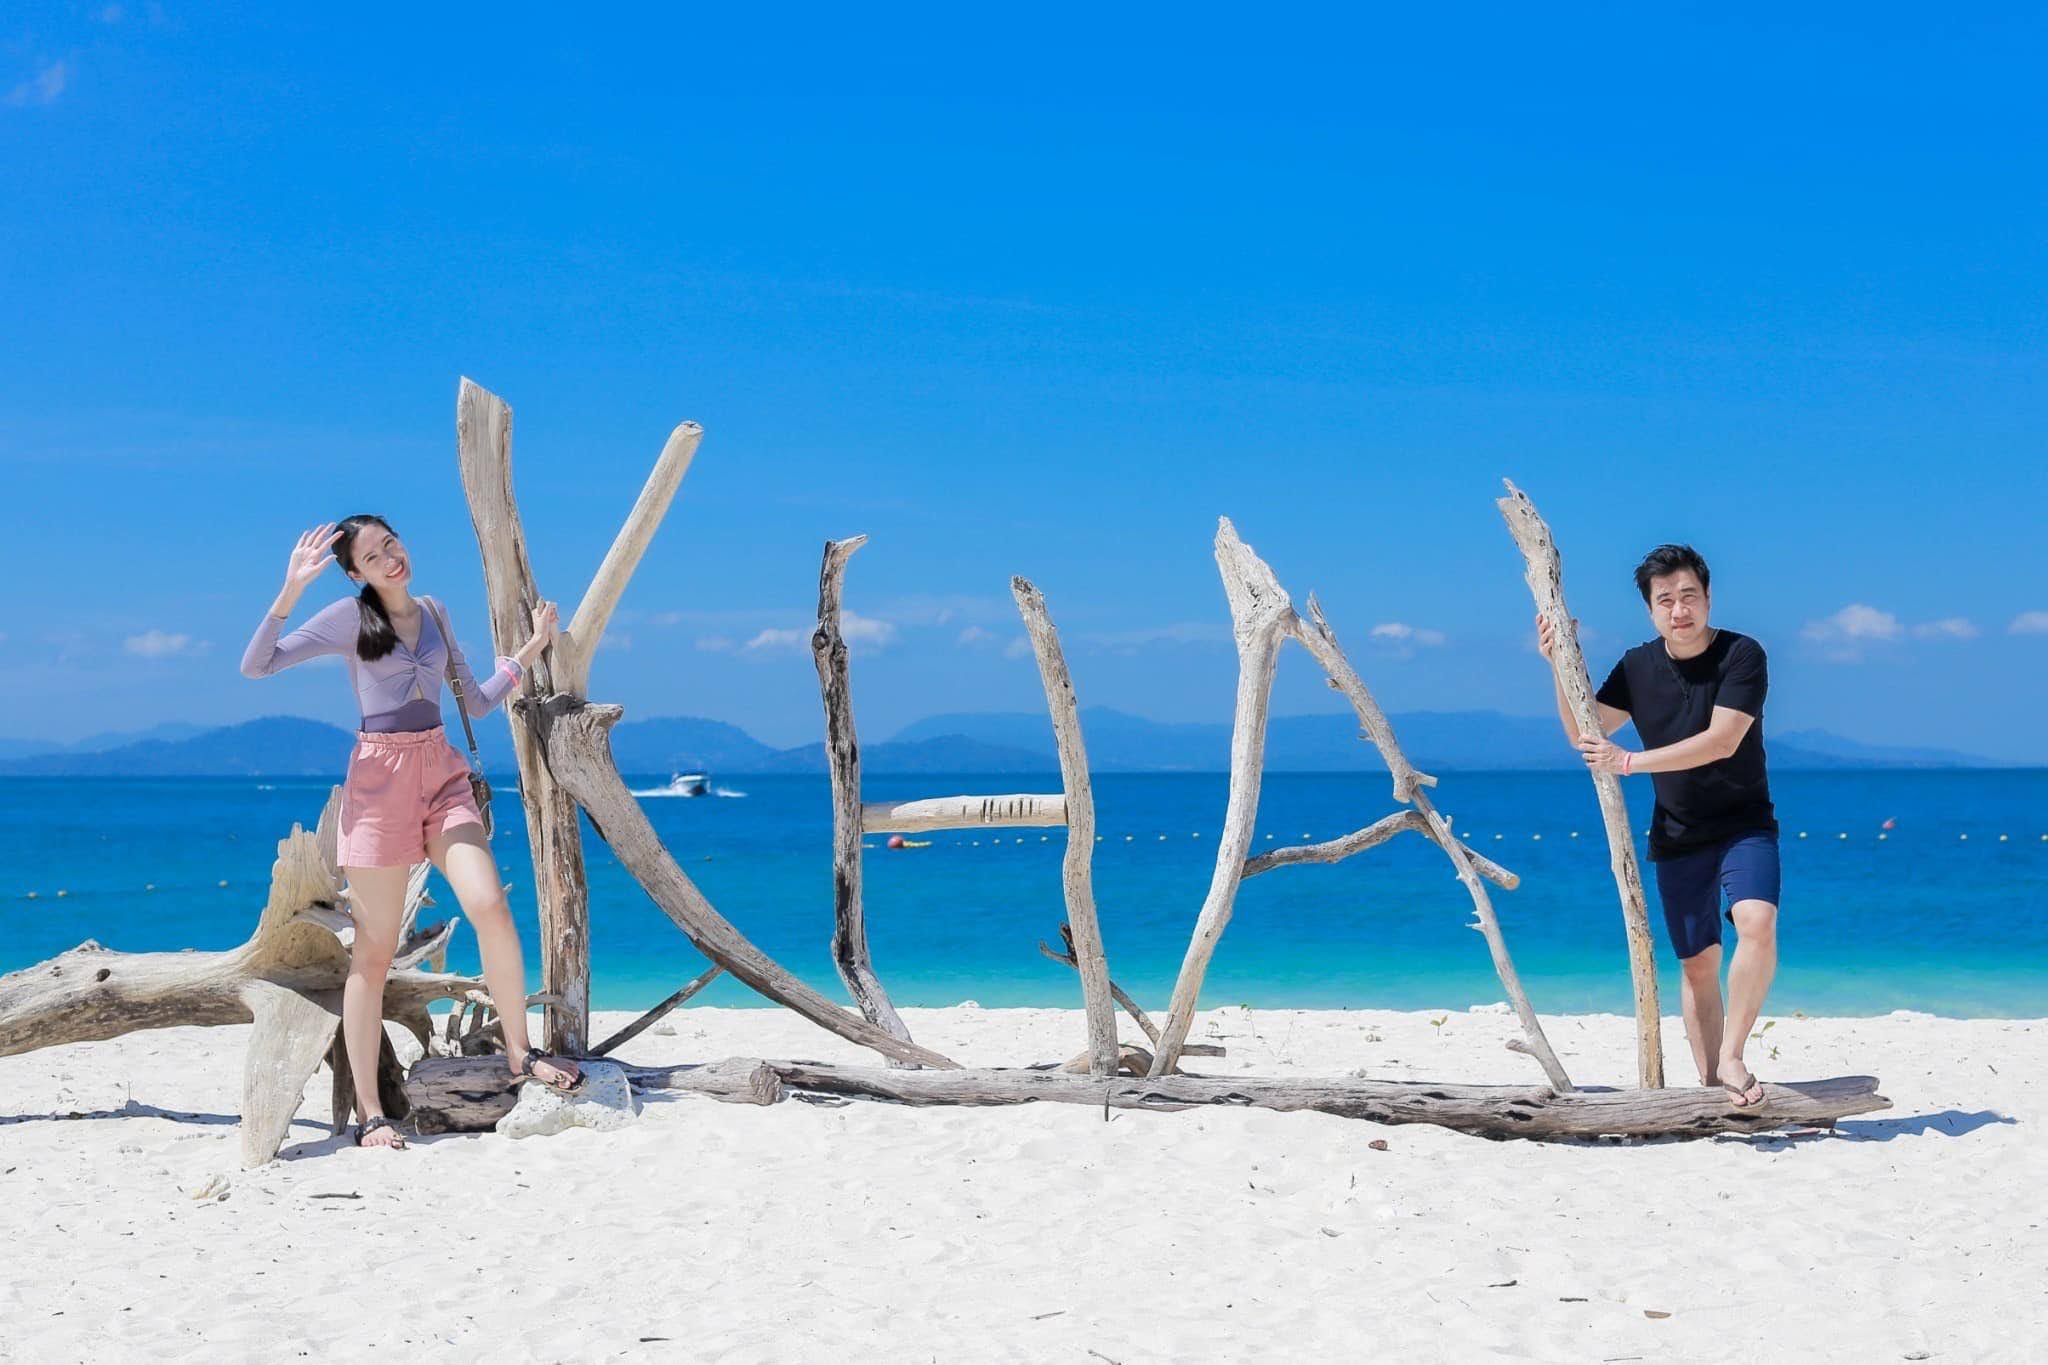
<point x="93" y="744"/>
<point x="1015" y="742"/>
<point x="275" y="746"/>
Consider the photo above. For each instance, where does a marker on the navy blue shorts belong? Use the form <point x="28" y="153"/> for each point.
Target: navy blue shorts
<point x="1694" y="886"/>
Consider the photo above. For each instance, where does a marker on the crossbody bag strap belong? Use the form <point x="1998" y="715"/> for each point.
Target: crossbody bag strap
<point x="455" y="683"/>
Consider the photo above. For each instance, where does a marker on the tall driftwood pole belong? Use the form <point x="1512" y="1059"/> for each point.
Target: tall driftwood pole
<point x="1544" y="571"/>
<point x="842" y="749"/>
<point x="1077" y="870"/>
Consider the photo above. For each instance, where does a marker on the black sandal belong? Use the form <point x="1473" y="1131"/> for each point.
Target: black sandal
<point x="369" y="1126"/>
<point x="527" y="1072"/>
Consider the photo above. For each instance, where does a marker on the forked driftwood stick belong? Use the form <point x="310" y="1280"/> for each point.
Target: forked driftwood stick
<point x="657" y="1014"/>
<point x="1543" y="570"/>
<point x="1317" y="637"/>
<point x="1117" y="993"/>
<point x="578" y="746"/>
<point x="586" y="627"/>
<point x="1494" y="1111"/>
<point x="842" y="750"/>
<point x="561" y="889"/>
<point x="1076" y="869"/>
<point x="286" y="979"/>
<point x="963" y="812"/>
<point x="1372" y="836"/>
<point x="1260" y="617"/>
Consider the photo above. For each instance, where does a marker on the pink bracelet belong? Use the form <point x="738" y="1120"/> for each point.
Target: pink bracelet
<point x="1627" y="762"/>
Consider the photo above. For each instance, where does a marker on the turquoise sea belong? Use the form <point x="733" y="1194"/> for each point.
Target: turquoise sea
<point x="1947" y="913"/>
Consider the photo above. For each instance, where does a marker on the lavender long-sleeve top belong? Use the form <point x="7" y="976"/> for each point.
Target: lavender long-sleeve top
<point x="399" y="692"/>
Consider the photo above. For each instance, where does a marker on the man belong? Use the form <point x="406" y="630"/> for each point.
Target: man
<point x="1696" y="695"/>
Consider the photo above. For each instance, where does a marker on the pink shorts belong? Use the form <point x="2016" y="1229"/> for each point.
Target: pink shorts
<point x="402" y="790"/>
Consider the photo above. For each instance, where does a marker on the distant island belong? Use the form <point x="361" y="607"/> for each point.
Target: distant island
<point x="1018" y="742"/>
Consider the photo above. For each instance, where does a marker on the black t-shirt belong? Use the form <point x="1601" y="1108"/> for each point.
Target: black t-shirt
<point x="1673" y="699"/>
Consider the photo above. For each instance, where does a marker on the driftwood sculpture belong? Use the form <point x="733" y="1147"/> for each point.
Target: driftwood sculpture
<point x="566" y="739"/>
<point x="286" y="979"/>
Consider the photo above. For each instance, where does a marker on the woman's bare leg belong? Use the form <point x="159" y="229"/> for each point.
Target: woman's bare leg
<point x="377" y="902"/>
<point x="464" y="858"/>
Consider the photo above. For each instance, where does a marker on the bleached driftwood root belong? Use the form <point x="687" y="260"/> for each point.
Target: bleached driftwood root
<point x="1083" y="934"/>
<point x="286" y="979"/>
<point x="842" y="750"/>
<point x="1543" y="570"/>
<point x="1495" y="1111"/>
<point x="578" y="747"/>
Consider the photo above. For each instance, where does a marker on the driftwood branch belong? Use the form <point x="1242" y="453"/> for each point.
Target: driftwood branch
<point x="657" y="1014"/>
<point x="963" y="812"/>
<point x="1117" y="993"/>
<point x="561" y="890"/>
<point x="1316" y="636"/>
<point x="1495" y="1111"/>
<point x="586" y="628"/>
<point x="1543" y="570"/>
<point x="1261" y="617"/>
<point x="842" y="750"/>
<point x="470" y="1094"/>
<point x="1372" y="836"/>
<point x="578" y="746"/>
<point x="1076" y="870"/>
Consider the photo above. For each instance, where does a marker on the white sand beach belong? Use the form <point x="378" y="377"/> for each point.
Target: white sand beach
<point x="865" y="1231"/>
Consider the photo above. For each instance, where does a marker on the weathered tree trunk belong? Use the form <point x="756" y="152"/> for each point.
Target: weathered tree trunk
<point x="1260" y="617"/>
<point x="286" y="979"/>
<point x="926" y="813"/>
<point x="561" y="891"/>
<point x="578" y="748"/>
<point x="1544" y="572"/>
<point x="842" y="752"/>
<point x="1494" y="1111"/>
<point x="470" y="1094"/>
<point x="1076" y="869"/>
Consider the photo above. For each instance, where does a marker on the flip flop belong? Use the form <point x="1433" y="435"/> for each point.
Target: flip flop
<point x="369" y="1126"/>
<point x="1736" y="1092"/>
<point x="561" y="1063"/>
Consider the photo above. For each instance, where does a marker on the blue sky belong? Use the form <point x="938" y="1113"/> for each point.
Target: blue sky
<point x="1038" y="292"/>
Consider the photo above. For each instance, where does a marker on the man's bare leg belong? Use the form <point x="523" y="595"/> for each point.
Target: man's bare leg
<point x="1699" y="993"/>
<point x="1749" y="981"/>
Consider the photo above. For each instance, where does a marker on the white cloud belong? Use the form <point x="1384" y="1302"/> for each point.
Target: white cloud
<point x="778" y="639"/>
<point x="1019" y="648"/>
<point x="157" y="644"/>
<point x="42" y="88"/>
<point x="715" y="644"/>
<point x="1948" y="628"/>
<point x="863" y="634"/>
<point x="2029" y="623"/>
<point x="1852" y="624"/>
<point x="1402" y="633"/>
<point x="974" y="635"/>
<point x="864" y="630"/>
<point x="614" y="639"/>
<point x="110" y="14"/>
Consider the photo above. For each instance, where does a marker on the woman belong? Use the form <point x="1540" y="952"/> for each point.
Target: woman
<point x="407" y="795"/>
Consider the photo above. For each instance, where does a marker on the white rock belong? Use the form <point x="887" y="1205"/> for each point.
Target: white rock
<point x="605" y="1102"/>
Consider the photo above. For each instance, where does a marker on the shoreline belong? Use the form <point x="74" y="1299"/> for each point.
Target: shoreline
<point x="1041" y="1231"/>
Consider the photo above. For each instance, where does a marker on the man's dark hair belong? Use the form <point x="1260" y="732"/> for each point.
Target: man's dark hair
<point x="1666" y="560"/>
